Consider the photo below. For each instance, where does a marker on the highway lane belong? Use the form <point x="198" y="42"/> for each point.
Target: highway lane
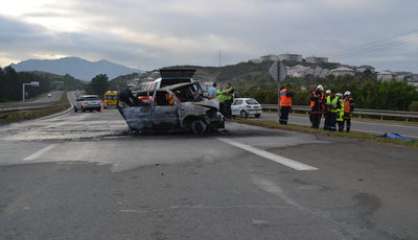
<point x="55" y="96"/>
<point x="83" y="176"/>
<point x="369" y="126"/>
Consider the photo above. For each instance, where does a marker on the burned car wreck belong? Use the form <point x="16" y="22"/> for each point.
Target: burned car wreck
<point x="171" y="108"/>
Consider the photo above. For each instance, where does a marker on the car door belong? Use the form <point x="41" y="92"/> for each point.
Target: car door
<point x="164" y="114"/>
<point x="236" y="107"/>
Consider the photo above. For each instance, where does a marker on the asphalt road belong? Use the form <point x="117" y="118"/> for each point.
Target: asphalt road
<point x="369" y="126"/>
<point x="83" y="176"/>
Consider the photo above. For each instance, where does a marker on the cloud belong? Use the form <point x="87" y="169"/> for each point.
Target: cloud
<point x="168" y="32"/>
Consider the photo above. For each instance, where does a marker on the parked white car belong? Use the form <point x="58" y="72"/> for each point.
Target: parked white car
<point x="245" y="107"/>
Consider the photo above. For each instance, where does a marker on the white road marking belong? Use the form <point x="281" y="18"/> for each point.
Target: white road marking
<point x="268" y="155"/>
<point x="39" y="153"/>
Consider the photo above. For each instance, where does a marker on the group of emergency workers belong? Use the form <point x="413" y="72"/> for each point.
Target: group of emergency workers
<point x="337" y="109"/>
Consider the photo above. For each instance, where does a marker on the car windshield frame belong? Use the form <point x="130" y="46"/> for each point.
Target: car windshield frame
<point x="251" y="101"/>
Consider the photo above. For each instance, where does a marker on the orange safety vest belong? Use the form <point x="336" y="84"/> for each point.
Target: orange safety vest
<point x="285" y="100"/>
<point x="347" y="106"/>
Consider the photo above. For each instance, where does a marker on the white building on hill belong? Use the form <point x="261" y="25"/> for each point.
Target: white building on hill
<point x="269" y="58"/>
<point x="385" y="76"/>
<point x="342" y="71"/>
<point x="316" y="60"/>
<point x="291" y="57"/>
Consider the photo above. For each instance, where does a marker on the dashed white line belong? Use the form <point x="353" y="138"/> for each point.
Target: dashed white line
<point x="268" y="155"/>
<point x="39" y="153"/>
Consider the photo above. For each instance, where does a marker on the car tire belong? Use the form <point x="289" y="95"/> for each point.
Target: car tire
<point x="243" y="114"/>
<point x="198" y="127"/>
<point x="75" y="109"/>
<point x="257" y="115"/>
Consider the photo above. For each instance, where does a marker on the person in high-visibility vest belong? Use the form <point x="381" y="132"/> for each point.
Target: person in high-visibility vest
<point x="348" y="110"/>
<point x="316" y="105"/>
<point x="285" y="105"/>
<point x="340" y="112"/>
<point x="228" y="92"/>
<point x="332" y="102"/>
<point x="220" y="96"/>
<point x="326" y="110"/>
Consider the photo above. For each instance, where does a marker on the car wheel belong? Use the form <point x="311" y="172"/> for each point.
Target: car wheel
<point x="75" y="109"/>
<point x="257" y="115"/>
<point x="243" y="114"/>
<point x="99" y="109"/>
<point x="83" y="110"/>
<point x="199" y="127"/>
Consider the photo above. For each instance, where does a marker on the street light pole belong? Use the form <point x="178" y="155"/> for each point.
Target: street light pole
<point x="23" y="92"/>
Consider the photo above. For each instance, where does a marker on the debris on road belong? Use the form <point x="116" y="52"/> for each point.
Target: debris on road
<point x="397" y="136"/>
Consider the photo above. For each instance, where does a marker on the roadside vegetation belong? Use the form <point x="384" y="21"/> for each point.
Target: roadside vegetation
<point x="368" y="92"/>
<point x="253" y="80"/>
<point x="11" y="83"/>
<point x="17" y="116"/>
<point x="305" y="129"/>
<point x="98" y="85"/>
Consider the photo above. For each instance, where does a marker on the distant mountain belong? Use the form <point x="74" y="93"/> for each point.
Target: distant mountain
<point x="76" y="67"/>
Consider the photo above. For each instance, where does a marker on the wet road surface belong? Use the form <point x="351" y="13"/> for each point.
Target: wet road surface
<point x="83" y="176"/>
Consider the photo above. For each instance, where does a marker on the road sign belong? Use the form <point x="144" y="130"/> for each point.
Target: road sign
<point x="34" y="84"/>
<point x="282" y="72"/>
<point x="278" y="71"/>
<point x="274" y="71"/>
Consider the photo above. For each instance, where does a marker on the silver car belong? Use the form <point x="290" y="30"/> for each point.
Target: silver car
<point x="88" y="103"/>
<point x="177" y="107"/>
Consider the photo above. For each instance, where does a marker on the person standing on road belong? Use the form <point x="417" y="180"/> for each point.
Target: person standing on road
<point x="212" y="91"/>
<point x="326" y="110"/>
<point x="220" y="96"/>
<point x="228" y="92"/>
<point x="316" y="106"/>
<point x="340" y="112"/>
<point x="331" y="103"/>
<point x="348" y="110"/>
<point x="285" y="105"/>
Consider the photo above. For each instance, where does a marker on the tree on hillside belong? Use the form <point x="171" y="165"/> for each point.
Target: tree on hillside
<point x="10" y="85"/>
<point x="99" y="85"/>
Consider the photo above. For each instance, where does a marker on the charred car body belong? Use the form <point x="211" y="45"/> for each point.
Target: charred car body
<point x="173" y="107"/>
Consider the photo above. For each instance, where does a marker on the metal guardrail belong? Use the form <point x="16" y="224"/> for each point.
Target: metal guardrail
<point x="24" y="107"/>
<point x="360" y="113"/>
<point x="29" y="105"/>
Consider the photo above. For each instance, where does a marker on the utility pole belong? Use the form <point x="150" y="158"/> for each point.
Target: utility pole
<point x="220" y="58"/>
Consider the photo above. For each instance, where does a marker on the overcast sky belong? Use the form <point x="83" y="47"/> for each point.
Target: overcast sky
<point x="151" y="34"/>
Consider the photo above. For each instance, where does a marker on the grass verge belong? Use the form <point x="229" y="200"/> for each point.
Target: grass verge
<point x="304" y="129"/>
<point x="16" y="116"/>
